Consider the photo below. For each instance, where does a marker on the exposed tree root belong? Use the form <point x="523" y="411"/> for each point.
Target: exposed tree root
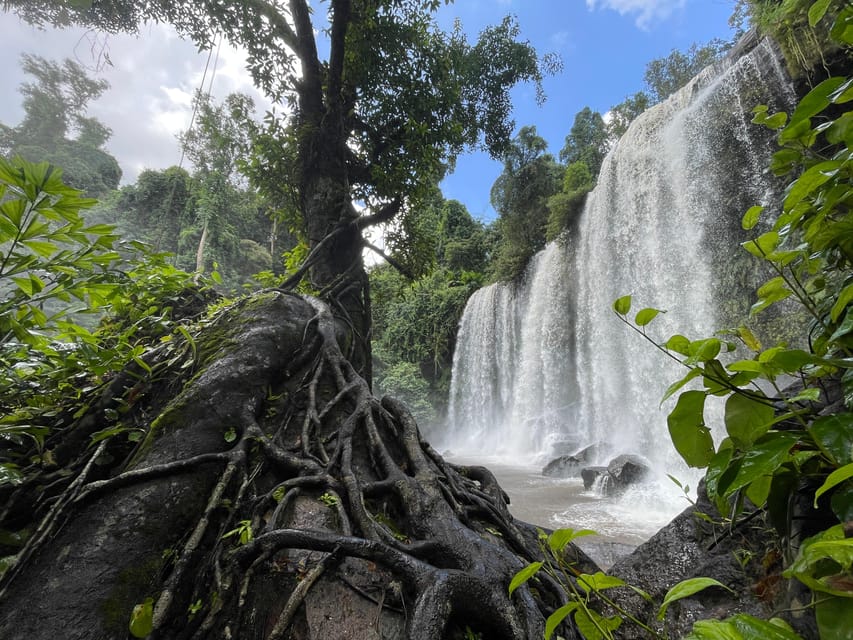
<point x="269" y="472"/>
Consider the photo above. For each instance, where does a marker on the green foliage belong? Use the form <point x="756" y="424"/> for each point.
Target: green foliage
<point x="156" y="208"/>
<point x="587" y="141"/>
<point x="622" y="114"/>
<point x="415" y="332"/>
<point x="685" y="589"/>
<point x="54" y="107"/>
<point x="47" y="253"/>
<point x="587" y="593"/>
<point x="767" y="451"/>
<point x="462" y="243"/>
<point x="211" y="216"/>
<point x="55" y="271"/>
<point x="447" y="95"/>
<point x="742" y="626"/>
<point x="665" y="76"/>
<point x="243" y="532"/>
<point x="415" y="322"/>
<point x="520" y="195"/>
<point x="808" y="32"/>
<point x="565" y="207"/>
<point x="376" y="120"/>
<point x="404" y="381"/>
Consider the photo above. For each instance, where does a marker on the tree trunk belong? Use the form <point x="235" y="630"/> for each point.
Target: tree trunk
<point x="199" y="254"/>
<point x="273" y="496"/>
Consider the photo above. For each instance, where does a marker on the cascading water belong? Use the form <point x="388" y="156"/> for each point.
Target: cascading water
<point x="512" y="346"/>
<point x="544" y="366"/>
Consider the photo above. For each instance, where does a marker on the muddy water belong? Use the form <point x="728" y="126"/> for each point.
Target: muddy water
<point x="621" y="523"/>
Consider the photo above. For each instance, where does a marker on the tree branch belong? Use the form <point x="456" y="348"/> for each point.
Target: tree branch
<point x="310" y="87"/>
<point x="341" y="10"/>
<point x="385" y="214"/>
<point x="394" y="263"/>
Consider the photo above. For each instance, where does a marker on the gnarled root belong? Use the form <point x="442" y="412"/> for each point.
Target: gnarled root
<point x="275" y="497"/>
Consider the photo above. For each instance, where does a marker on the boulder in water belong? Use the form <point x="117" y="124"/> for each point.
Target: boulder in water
<point x="563" y="467"/>
<point x="619" y="474"/>
<point x="628" y="469"/>
<point x="570" y="466"/>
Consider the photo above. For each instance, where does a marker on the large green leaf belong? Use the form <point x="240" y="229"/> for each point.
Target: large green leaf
<point x="752" y="343"/>
<point x="841" y="131"/>
<point x="645" y="316"/>
<point x="842" y="502"/>
<point x="817" y="11"/>
<point x="622" y="305"/>
<point x="685" y="589"/>
<point x="810" y="180"/>
<point x="560" y="538"/>
<point x="678" y="384"/>
<point x="834" y="618"/>
<point x="713" y="630"/>
<point x="558" y="616"/>
<point x="716" y="379"/>
<point x="842" y="30"/>
<point x="752" y="628"/>
<point x="142" y="619"/>
<point x="766" y="456"/>
<point x="524" y="575"/>
<point x="679" y="344"/>
<point x="692" y="439"/>
<point x="751" y="217"/>
<point x="748" y="417"/>
<point x="598" y="581"/>
<point x="834" y="436"/>
<point x="833" y="480"/>
<point x="824" y="563"/>
<point x="763" y="245"/>
<point x="595" y="626"/>
<point x="813" y="103"/>
<point x="845" y="297"/>
<point x="717" y="468"/>
<point x="704" y="350"/>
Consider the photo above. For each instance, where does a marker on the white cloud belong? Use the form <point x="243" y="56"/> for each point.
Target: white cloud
<point x="647" y="11"/>
<point x="560" y="39"/>
<point x="152" y="80"/>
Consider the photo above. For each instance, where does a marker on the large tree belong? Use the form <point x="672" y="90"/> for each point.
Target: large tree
<point x="271" y="494"/>
<point x="587" y="141"/>
<point x="382" y="102"/>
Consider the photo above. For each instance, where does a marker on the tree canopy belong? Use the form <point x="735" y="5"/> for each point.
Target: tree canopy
<point x="55" y="104"/>
<point x="382" y="102"/>
<point x="587" y="141"/>
<point x="519" y="195"/>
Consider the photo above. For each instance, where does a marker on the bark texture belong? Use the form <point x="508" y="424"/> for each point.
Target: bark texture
<point x="273" y="496"/>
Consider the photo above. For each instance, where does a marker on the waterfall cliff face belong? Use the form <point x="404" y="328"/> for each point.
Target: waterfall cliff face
<point x="544" y="366"/>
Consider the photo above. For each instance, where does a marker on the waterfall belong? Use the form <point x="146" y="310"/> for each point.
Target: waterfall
<point x="543" y="366"/>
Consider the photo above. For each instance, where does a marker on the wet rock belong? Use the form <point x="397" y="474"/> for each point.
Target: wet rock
<point x="697" y="543"/>
<point x="628" y="469"/>
<point x="563" y="467"/>
<point x="591" y="474"/>
<point x="569" y="466"/>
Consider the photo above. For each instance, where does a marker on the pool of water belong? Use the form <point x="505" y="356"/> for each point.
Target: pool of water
<point x="621" y="523"/>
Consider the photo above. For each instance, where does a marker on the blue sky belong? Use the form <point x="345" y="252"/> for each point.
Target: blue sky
<point x="604" y="45"/>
